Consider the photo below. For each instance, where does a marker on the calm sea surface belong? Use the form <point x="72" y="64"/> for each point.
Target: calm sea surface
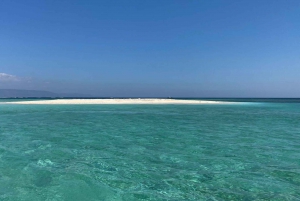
<point x="245" y="151"/>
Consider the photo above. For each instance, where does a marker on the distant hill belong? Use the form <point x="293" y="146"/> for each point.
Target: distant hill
<point x="17" y="93"/>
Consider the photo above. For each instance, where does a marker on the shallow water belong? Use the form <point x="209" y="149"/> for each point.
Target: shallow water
<point x="150" y="152"/>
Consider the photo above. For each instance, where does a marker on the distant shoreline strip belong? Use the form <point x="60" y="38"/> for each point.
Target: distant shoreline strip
<point x="115" y="101"/>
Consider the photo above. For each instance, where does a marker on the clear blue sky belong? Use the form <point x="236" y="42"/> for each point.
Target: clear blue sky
<point x="199" y="48"/>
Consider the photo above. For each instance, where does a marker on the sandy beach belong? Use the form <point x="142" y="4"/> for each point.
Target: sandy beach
<point x="118" y="101"/>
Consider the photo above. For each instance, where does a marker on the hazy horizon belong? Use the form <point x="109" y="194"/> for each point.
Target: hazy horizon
<point x="239" y="49"/>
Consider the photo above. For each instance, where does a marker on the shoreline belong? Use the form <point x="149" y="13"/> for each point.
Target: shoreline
<point x="115" y="101"/>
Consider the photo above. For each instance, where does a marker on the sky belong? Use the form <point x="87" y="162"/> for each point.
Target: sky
<point x="151" y="48"/>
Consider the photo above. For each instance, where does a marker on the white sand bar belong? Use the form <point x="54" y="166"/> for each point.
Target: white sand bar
<point x="118" y="101"/>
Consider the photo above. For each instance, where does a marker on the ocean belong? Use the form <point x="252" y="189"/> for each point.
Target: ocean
<point x="244" y="151"/>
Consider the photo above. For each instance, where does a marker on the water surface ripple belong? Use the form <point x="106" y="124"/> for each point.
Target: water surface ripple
<point x="150" y="152"/>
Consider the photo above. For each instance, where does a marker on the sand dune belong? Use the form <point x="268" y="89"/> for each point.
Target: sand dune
<point x="118" y="101"/>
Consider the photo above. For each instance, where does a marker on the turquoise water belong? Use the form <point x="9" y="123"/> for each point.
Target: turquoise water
<point x="150" y="152"/>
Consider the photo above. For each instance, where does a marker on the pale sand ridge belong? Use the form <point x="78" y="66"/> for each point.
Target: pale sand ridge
<point x="119" y="101"/>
